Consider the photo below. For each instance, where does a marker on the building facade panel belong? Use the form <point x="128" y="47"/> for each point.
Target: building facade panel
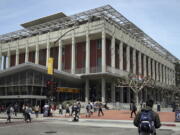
<point x="13" y="60"/>
<point x="80" y="56"/>
<point x="42" y="57"/>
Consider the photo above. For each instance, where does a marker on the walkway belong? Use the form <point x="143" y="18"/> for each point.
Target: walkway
<point x="125" y="115"/>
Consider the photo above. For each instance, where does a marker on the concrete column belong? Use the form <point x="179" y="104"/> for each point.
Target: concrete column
<point x="27" y="52"/>
<point x="37" y="54"/>
<point x="0" y="58"/>
<point x="121" y="55"/>
<point x="171" y="77"/>
<point x="153" y="69"/>
<point x="140" y="63"/>
<point x="174" y="77"/>
<point x="73" y="56"/>
<point x="87" y="53"/>
<point x="128" y="58"/>
<point x="145" y="66"/>
<point x="121" y="95"/>
<point x="48" y="49"/>
<point x="103" y="90"/>
<point x="134" y="61"/>
<point x="149" y="67"/>
<point x="168" y="76"/>
<point x="87" y="91"/>
<point x="9" y="57"/>
<point x="162" y="73"/>
<point x="17" y="56"/>
<point x="113" y="98"/>
<point x="60" y="56"/>
<point x="103" y="51"/>
<point x="165" y="75"/>
<point x="157" y="71"/>
<point x="113" y="52"/>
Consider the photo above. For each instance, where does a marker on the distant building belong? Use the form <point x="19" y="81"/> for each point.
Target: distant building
<point x="99" y="46"/>
<point x="177" y="68"/>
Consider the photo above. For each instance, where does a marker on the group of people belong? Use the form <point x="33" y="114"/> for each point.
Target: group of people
<point x="75" y="108"/>
<point x="26" y="110"/>
<point x="93" y="107"/>
<point x="146" y="119"/>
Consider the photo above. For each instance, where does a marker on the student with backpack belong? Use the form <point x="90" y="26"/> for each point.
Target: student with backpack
<point x="147" y="120"/>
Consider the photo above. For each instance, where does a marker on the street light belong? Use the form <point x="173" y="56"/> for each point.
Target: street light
<point x="53" y="85"/>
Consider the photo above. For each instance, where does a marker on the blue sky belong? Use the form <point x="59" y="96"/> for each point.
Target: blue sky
<point x="160" y="19"/>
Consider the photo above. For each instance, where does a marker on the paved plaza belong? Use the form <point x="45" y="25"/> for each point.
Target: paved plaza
<point x="56" y="127"/>
<point x="114" y="122"/>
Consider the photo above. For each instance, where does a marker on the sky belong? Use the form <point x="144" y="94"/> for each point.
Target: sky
<point x="160" y="19"/>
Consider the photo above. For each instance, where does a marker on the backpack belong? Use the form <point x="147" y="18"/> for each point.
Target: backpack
<point x="146" y="122"/>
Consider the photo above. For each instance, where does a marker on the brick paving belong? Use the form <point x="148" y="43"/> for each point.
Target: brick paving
<point x="125" y="115"/>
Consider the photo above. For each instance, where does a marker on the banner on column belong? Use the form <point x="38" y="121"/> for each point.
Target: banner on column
<point x="50" y="66"/>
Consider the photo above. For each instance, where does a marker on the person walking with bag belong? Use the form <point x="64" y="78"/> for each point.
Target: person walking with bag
<point x="147" y="120"/>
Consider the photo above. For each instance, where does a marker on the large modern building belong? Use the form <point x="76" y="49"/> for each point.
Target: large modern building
<point x="90" y="50"/>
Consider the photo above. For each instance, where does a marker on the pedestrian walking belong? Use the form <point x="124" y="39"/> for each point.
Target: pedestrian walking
<point x="100" y="111"/>
<point x="88" y="110"/>
<point x="67" y="110"/>
<point x="133" y="109"/>
<point x="8" y="112"/>
<point x="60" y="109"/>
<point x="16" y="107"/>
<point x="147" y="120"/>
<point x="79" y="106"/>
<point x="36" y="110"/>
<point x="28" y="112"/>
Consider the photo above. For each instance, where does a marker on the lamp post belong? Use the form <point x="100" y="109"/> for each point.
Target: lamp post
<point x="53" y="85"/>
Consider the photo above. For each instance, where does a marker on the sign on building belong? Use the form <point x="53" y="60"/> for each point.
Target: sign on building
<point x="50" y="66"/>
<point x="69" y="90"/>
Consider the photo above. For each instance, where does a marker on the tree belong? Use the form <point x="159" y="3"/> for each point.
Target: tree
<point x="136" y="83"/>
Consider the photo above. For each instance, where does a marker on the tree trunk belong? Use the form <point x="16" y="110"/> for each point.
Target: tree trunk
<point x="136" y="98"/>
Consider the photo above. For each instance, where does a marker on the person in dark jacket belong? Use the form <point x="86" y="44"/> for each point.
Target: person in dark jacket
<point x="8" y="111"/>
<point x="156" y="119"/>
<point x="133" y="109"/>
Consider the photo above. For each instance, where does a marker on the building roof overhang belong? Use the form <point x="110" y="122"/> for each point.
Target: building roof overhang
<point x="105" y="12"/>
<point x="25" y="66"/>
<point x="43" y="20"/>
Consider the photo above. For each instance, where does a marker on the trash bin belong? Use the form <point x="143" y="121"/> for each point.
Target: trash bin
<point x="177" y="115"/>
<point x="158" y="107"/>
